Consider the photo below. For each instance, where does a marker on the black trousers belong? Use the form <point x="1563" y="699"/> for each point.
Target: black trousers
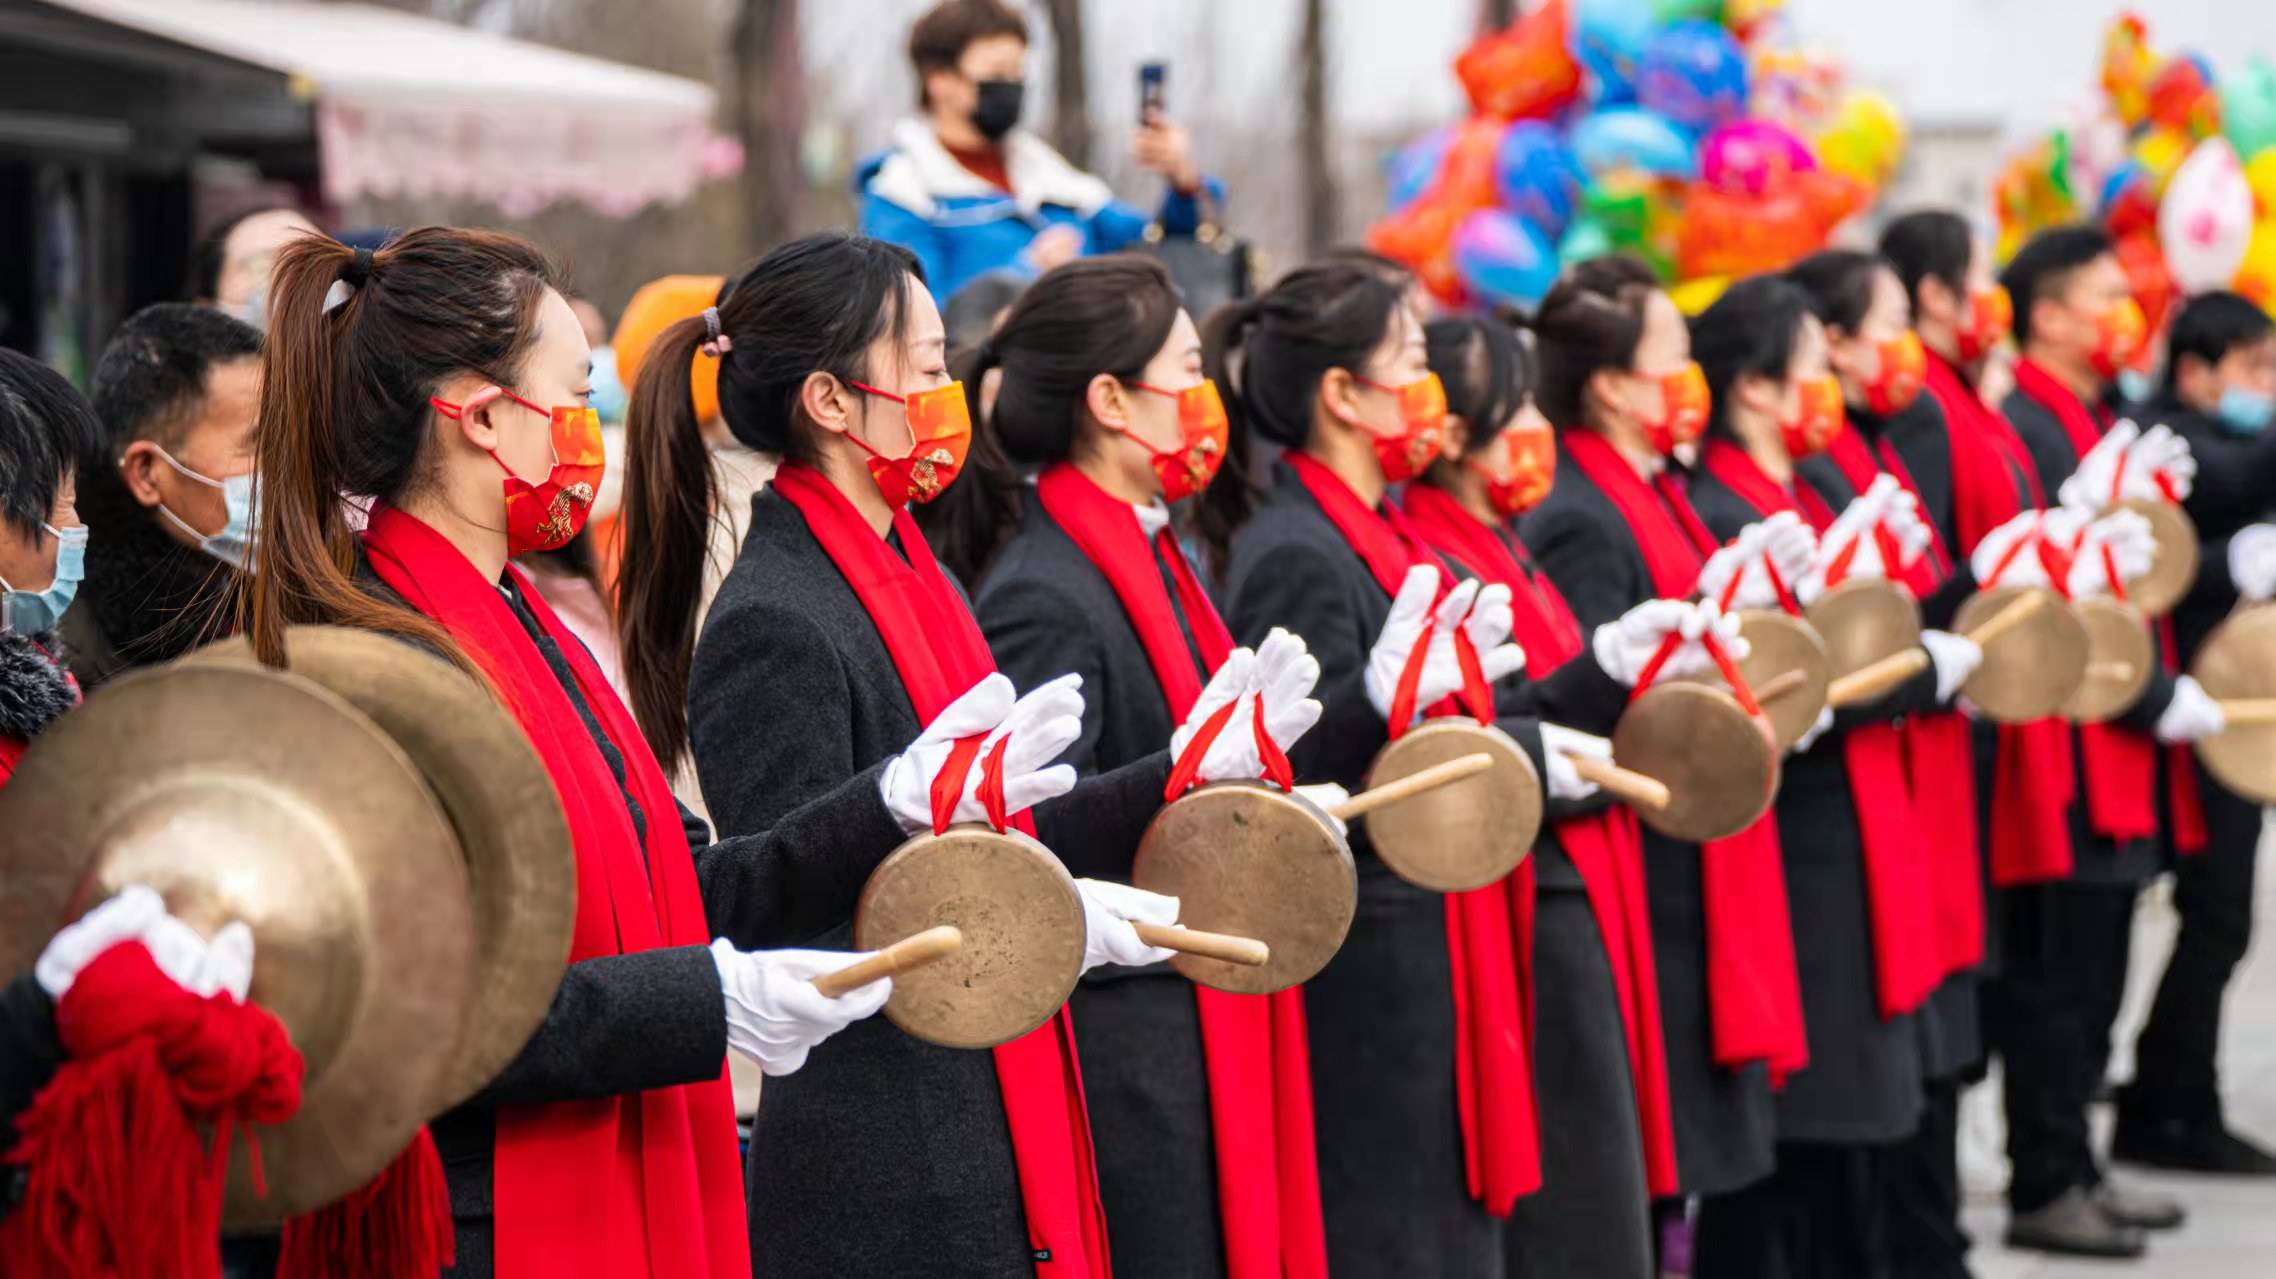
<point x="1822" y="1213"/>
<point x="2175" y="1071"/>
<point x="1922" y="1183"/>
<point x="2049" y="1016"/>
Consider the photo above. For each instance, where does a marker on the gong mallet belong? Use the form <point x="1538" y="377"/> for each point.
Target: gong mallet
<point x="1626" y="785"/>
<point x="1876" y="678"/>
<point x="1413" y="784"/>
<point x="910" y="952"/>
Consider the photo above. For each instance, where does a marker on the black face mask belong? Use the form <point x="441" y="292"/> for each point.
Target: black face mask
<point x="998" y="108"/>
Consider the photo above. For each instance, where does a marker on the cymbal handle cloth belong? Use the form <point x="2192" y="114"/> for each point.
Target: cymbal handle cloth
<point x="1413" y="784"/>
<point x="1872" y="680"/>
<point x="1634" y="789"/>
<point x="2008" y="618"/>
<point x="1245" y="951"/>
<point x="910" y="952"/>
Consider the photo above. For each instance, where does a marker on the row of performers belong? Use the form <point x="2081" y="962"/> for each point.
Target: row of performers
<point x="1774" y="1026"/>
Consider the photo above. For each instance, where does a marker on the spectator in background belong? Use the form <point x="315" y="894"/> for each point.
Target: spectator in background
<point x="608" y="397"/>
<point x="229" y="269"/>
<point x="968" y="191"/>
<point x="45" y="426"/>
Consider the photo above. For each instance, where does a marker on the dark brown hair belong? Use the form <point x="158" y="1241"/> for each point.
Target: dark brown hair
<point x="938" y="41"/>
<point x="1593" y="319"/>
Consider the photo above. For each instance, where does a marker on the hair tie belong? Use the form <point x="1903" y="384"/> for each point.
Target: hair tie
<point x="358" y="269"/>
<point x="718" y="344"/>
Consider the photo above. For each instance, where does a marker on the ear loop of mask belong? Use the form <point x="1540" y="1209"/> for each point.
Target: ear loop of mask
<point x="906" y="425"/>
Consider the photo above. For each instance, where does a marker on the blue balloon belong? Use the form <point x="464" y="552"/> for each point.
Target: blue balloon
<point x="1537" y="177"/>
<point x="1608" y="41"/>
<point x="1502" y="258"/>
<point x="1413" y="167"/>
<point x="1633" y="138"/>
<point x="1694" y="73"/>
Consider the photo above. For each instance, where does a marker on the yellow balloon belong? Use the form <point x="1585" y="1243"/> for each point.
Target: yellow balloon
<point x="2261" y="173"/>
<point x="1864" y="139"/>
<point x="2161" y="151"/>
<point x="1693" y="296"/>
<point x="2256" y="278"/>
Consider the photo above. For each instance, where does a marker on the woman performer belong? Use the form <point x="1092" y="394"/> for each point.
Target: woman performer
<point x="443" y="377"/>
<point x="1617" y="379"/>
<point x="1200" y="1101"/>
<point x="1600" y="1071"/>
<point x="835" y="633"/>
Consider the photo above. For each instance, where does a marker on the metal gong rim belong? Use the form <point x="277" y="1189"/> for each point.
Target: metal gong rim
<point x="2116" y="635"/>
<point x="2173" y="570"/>
<point x="1717" y="761"/>
<point x="2032" y="669"/>
<point x="1463" y="835"/>
<point x="1862" y="621"/>
<point x="1022" y="920"/>
<point x="2239" y="661"/>
<point x="258" y="796"/>
<point x="1778" y="643"/>
<point x="520" y="863"/>
<point x="1252" y="860"/>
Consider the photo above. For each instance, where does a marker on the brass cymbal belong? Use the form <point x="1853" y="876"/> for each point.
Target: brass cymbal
<point x="1252" y="860"/>
<point x="1862" y="621"/>
<point x="258" y="796"/>
<point x="1466" y="834"/>
<point x="2237" y="661"/>
<point x="500" y="801"/>
<point x="2031" y="670"/>
<point x="2120" y="655"/>
<point x="2174" y="569"/>
<point x="1778" y="644"/>
<point x="1717" y="761"/>
<point x="1022" y="920"/>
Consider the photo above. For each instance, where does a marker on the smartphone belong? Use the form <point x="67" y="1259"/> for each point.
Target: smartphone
<point x="1152" y="79"/>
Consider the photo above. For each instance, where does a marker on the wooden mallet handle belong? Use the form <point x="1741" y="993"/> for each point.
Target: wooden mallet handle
<point x="2007" y="619"/>
<point x="1413" y="784"/>
<point x="2250" y="710"/>
<point x="2115" y="672"/>
<point x="1245" y="951"/>
<point x="909" y="952"/>
<point x="1777" y="686"/>
<point x="1875" y="678"/>
<point x="1632" y="788"/>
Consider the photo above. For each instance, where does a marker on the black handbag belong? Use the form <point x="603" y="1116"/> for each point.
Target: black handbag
<point x="1210" y="267"/>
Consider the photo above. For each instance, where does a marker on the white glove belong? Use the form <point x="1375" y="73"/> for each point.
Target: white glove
<point x="1625" y="646"/>
<point x="1955" y="658"/>
<point x="1853" y="527"/>
<point x="774" y="1012"/>
<point x="1236" y="744"/>
<point x="1902" y="518"/>
<point x="2132" y="548"/>
<point x="1327" y="797"/>
<point x="2024" y="568"/>
<point x="1442" y="670"/>
<point x="2191" y="714"/>
<point x="1811" y="734"/>
<point x="1283" y="673"/>
<point x="1041" y="725"/>
<point x="1558" y="742"/>
<point x="2252" y="562"/>
<point x="1730" y="560"/>
<point x="2088" y="488"/>
<point x="1488" y="625"/>
<point x="2159" y="452"/>
<point x="138" y="913"/>
<point x="1782" y="543"/>
<point x="1402" y="630"/>
<point x="1108" y="911"/>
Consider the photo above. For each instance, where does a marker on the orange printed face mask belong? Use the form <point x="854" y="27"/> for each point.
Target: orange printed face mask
<point x="1990" y="316"/>
<point x="940" y="436"/>
<point x="1904" y="370"/>
<point x="2119" y="335"/>
<point x="1422" y="419"/>
<point x="1820" y="419"/>
<point x="1684" y="401"/>
<point x="1520" y="467"/>
<point x="545" y="515"/>
<point x="1202" y="435"/>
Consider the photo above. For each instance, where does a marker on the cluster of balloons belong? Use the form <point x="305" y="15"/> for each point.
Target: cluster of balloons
<point x="2179" y="165"/>
<point x="1688" y="132"/>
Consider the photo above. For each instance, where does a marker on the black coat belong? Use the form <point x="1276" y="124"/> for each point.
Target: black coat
<point x="2235" y="487"/>
<point x="886" y="1154"/>
<point x="147" y="598"/>
<point x="1724" y="1124"/>
<point x="1923" y="442"/>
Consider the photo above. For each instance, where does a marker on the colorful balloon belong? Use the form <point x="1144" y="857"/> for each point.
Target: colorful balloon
<point x="1748" y="157"/>
<point x="1693" y="296"/>
<point x="2256" y="278"/>
<point x="1687" y="10"/>
<point x="1608" y="39"/>
<point x="2147" y="278"/>
<point x="2205" y="220"/>
<point x="1413" y="167"/>
<point x="1632" y="138"/>
<point x="2182" y="97"/>
<point x="1695" y="74"/>
<point x="2248" y="107"/>
<point x="1537" y="177"/>
<point x="1734" y="235"/>
<point x="1865" y="139"/>
<point x="2260" y="175"/>
<point x="2127" y="67"/>
<point x="1526" y="70"/>
<point x="1502" y="258"/>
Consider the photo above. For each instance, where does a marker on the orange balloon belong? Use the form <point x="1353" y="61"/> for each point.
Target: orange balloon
<point x="1526" y="70"/>
<point x="657" y="306"/>
<point x="2147" y="277"/>
<point x="1744" y="235"/>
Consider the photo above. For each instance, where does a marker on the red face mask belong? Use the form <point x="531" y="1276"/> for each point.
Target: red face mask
<point x="1990" y="316"/>
<point x="544" y="516"/>
<point x="1202" y="434"/>
<point x="940" y="435"/>
<point x="2120" y="333"/>
<point x="1422" y="415"/>
<point x="1819" y="420"/>
<point x="1684" y="401"/>
<point x="1904" y="369"/>
<point x="1522" y="476"/>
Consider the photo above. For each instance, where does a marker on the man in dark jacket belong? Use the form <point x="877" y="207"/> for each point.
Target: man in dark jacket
<point x="2219" y="394"/>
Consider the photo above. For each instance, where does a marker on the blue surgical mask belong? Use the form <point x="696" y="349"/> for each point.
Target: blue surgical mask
<point x="608" y="398"/>
<point x="233" y="544"/>
<point x="37" y="612"/>
<point x="2244" y="411"/>
<point x="2134" y="386"/>
<point x="254" y="310"/>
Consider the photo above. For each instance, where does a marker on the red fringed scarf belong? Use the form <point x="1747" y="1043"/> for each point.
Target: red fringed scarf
<point x="639" y="1183"/>
<point x="1254" y="1047"/>
<point x="1754" y="995"/>
<point x="1908" y="962"/>
<point x="1493" y="1069"/>
<point x="1605" y="846"/>
<point x="939" y="652"/>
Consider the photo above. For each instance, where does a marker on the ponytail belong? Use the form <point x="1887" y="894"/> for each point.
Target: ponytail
<point x="969" y="523"/>
<point x="1232" y="495"/>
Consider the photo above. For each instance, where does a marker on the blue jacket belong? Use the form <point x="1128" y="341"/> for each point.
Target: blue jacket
<point x="915" y="194"/>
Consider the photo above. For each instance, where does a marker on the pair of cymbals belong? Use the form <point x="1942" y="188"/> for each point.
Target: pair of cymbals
<point x="2035" y="650"/>
<point x="2238" y="663"/>
<point x="1718" y="763"/>
<point x="1789" y="669"/>
<point x="2173" y="569"/>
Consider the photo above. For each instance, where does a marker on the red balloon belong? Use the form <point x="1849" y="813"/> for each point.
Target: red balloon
<point x="2147" y="277"/>
<point x="1726" y="234"/>
<point x="1422" y="233"/>
<point x="1832" y="198"/>
<point x="1526" y="70"/>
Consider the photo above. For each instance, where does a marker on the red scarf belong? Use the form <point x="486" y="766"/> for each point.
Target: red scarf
<point x="638" y="1183"/>
<point x="1754" y="995"/>
<point x="1493" y="1067"/>
<point x="938" y="650"/>
<point x="1254" y="1046"/>
<point x="1605" y="846"/>
<point x="1908" y="962"/>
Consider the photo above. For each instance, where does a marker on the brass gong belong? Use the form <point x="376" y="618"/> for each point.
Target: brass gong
<point x="1461" y="836"/>
<point x="1022" y="920"/>
<point x="258" y="796"/>
<point x="1250" y="859"/>
<point x="2174" y="568"/>
<point x="2238" y="662"/>
<point x="1782" y="651"/>
<point x="519" y="859"/>
<point x="2031" y="669"/>
<point x="2120" y="655"/>
<point x="1862" y="621"/>
<point x="1718" y="762"/>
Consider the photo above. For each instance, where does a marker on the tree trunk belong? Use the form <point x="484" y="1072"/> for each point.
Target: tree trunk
<point x="1493" y="15"/>
<point x="770" y="113"/>
<point x="1070" y="83"/>
<point x="1314" y="157"/>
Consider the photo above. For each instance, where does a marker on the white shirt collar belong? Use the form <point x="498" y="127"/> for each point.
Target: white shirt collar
<point x="1152" y="518"/>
